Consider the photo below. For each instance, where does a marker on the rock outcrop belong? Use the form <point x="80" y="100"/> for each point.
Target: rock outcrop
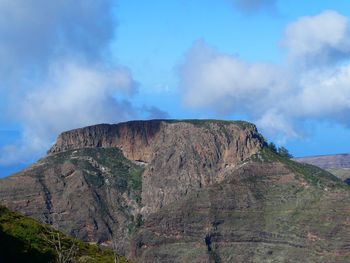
<point x="180" y="155"/>
<point x="263" y="212"/>
<point x="185" y="191"/>
<point x="92" y="194"/>
<point x="85" y="186"/>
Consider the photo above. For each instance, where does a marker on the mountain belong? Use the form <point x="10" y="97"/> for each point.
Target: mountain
<point x="185" y="191"/>
<point x="337" y="164"/>
<point x="25" y="240"/>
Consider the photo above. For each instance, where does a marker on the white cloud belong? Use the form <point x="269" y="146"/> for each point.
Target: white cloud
<point x="209" y="78"/>
<point x="72" y="96"/>
<point x="321" y="38"/>
<point x="55" y="73"/>
<point x="325" y="93"/>
<point x="277" y="97"/>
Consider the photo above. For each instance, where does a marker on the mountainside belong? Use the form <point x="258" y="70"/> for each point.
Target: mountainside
<point x="337" y="164"/>
<point x="185" y="191"/>
<point x="269" y="210"/>
<point x="26" y="240"/>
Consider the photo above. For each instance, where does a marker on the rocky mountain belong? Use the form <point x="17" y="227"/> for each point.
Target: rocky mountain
<point x="185" y="191"/>
<point x="337" y="164"/>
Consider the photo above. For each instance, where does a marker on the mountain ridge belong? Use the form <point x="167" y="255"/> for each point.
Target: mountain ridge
<point x="337" y="164"/>
<point x="180" y="190"/>
<point x="327" y="161"/>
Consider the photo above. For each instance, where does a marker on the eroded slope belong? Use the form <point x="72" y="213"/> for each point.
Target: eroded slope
<point x="101" y="182"/>
<point x="92" y="194"/>
<point x="268" y="210"/>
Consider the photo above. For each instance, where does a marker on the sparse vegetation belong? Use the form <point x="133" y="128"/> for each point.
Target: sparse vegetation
<point x="312" y="174"/>
<point x="282" y="151"/>
<point x="25" y="240"/>
<point x="121" y="172"/>
<point x="206" y="122"/>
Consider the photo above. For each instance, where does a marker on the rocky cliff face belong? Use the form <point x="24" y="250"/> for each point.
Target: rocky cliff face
<point x="185" y="191"/>
<point x="85" y="186"/>
<point x="91" y="194"/>
<point x="262" y="212"/>
<point x="179" y="155"/>
<point x="133" y="138"/>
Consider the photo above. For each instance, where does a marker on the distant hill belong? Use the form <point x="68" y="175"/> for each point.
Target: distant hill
<point x="337" y="164"/>
<point x="327" y="161"/>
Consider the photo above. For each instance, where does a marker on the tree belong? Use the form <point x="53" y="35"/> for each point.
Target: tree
<point x="284" y="152"/>
<point x="272" y="147"/>
<point x="65" y="252"/>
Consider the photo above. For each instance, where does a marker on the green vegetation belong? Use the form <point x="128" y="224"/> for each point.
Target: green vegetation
<point x="23" y="239"/>
<point x="310" y="173"/>
<point x="341" y="173"/>
<point x="282" y="151"/>
<point x="105" y="166"/>
<point x="206" y="122"/>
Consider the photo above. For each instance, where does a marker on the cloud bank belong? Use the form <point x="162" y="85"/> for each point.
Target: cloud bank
<point x="37" y="31"/>
<point x="55" y="71"/>
<point x="312" y="83"/>
<point x="73" y="95"/>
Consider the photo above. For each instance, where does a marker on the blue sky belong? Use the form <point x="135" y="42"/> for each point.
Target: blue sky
<point x="283" y="65"/>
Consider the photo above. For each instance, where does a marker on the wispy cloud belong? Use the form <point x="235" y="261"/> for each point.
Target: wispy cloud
<point x="154" y="113"/>
<point x="252" y="6"/>
<point x="277" y="97"/>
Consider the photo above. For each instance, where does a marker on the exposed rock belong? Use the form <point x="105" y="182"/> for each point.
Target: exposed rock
<point x="92" y="194"/>
<point x="185" y="191"/>
<point x="262" y="212"/>
<point x="79" y="186"/>
<point x="181" y="155"/>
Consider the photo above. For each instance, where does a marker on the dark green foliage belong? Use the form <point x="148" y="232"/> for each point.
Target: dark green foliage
<point x="23" y="239"/>
<point x="284" y="152"/>
<point x="14" y="249"/>
<point x="20" y="239"/>
<point x="272" y="147"/>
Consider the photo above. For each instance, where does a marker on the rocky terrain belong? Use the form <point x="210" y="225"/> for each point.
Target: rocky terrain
<point x="185" y="191"/>
<point x="337" y="164"/>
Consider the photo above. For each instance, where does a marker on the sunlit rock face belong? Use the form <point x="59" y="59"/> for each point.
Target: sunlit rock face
<point x="185" y="191"/>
